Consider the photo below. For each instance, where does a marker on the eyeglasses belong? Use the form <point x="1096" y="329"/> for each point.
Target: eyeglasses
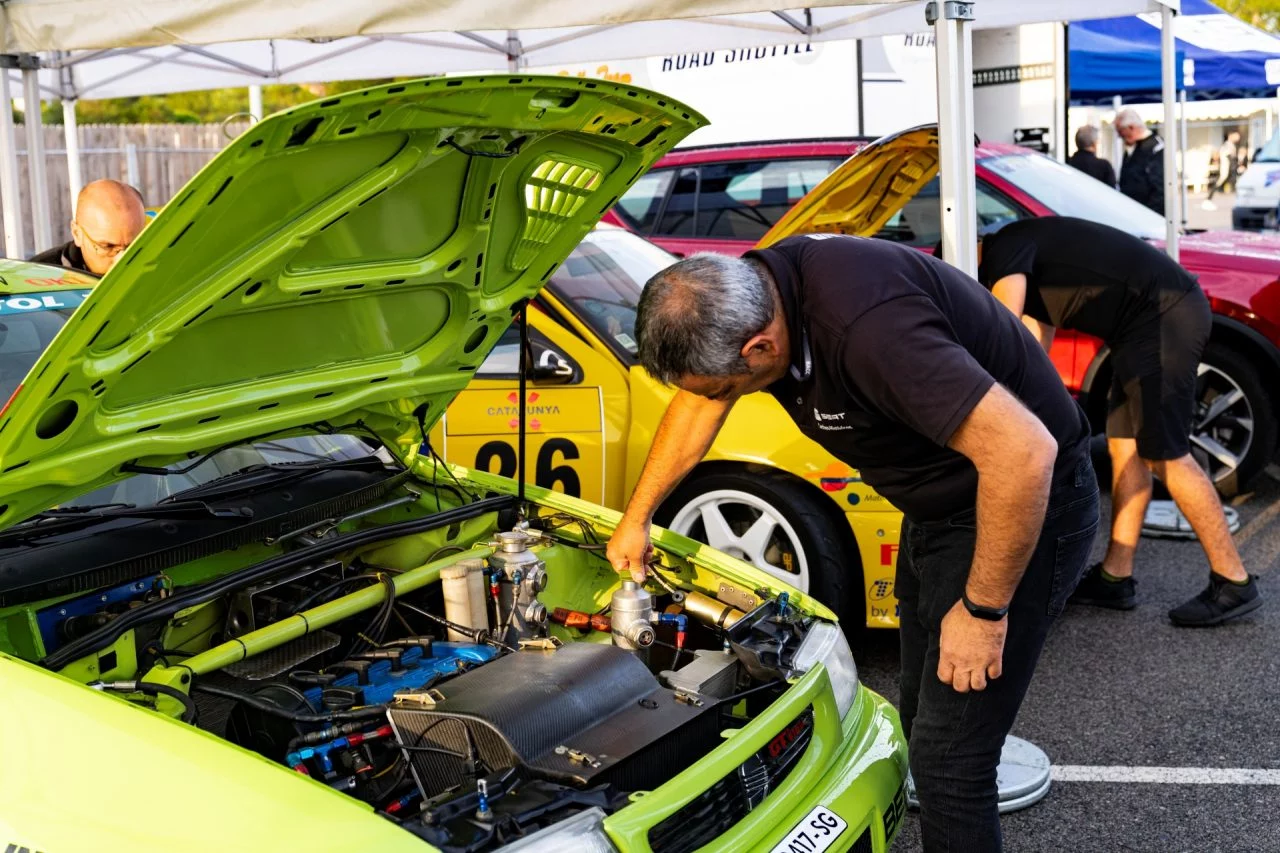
<point x="110" y="250"/>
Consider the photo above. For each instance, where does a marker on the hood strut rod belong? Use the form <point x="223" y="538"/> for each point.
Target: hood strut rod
<point x="524" y="373"/>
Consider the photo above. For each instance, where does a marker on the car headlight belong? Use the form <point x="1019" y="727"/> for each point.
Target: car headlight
<point x="826" y="645"/>
<point x="582" y="833"/>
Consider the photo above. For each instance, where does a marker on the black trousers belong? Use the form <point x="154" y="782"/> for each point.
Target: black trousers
<point x="955" y="738"/>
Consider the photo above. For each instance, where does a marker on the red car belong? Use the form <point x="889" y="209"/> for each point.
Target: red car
<point x="727" y="198"/>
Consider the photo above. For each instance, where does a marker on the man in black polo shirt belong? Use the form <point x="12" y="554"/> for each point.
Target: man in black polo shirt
<point x="902" y="367"/>
<point x="1063" y="273"/>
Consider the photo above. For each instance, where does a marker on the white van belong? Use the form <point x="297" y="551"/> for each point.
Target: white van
<point x="1258" y="190"/>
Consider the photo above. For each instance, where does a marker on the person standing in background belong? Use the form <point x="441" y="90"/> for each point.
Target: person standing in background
<point x="1142" y="171"/>
<point x="109" y="216"/>
<point x="1086" y="158"/>
<point x="1228" y="164"/>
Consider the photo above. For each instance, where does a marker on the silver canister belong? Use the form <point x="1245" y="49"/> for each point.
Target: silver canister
<point x="631" y="612"/>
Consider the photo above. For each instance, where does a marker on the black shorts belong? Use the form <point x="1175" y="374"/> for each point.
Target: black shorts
<point x="1153" y="392"/>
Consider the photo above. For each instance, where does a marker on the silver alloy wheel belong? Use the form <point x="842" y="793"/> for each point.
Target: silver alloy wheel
<point x="1222" y="426"/>
<point x="749" y="528"/>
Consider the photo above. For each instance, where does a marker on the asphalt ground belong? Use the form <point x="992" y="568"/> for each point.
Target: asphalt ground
<point x="1121" y="690"/>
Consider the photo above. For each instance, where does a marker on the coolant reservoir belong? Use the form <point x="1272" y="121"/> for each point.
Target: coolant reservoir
<point x="464" y="597"/>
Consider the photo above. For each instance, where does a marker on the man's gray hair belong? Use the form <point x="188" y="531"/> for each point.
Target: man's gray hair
<point x="1129" y="118"/>
<point x="695" y="316"/>
<point x="1087" y="138"/>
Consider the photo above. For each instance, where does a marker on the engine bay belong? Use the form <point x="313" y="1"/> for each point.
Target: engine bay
<point x="474" y="682"/>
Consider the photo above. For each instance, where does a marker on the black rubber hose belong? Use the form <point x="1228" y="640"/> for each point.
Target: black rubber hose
<point x="188" y="704"/>
<point x="296" y="716"/>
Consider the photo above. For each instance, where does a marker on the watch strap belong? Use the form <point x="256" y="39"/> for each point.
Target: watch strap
<point x="979" y="611"/>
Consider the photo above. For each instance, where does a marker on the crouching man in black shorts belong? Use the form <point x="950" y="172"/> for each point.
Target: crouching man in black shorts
<point x="1059" y="272"/>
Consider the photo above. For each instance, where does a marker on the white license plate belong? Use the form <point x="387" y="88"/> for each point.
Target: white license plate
<point x="817" y="831"/>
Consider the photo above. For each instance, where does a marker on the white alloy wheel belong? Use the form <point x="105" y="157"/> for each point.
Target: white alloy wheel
<point x="749" y="528"/>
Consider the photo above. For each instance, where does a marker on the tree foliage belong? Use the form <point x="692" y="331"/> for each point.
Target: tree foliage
<point x="208" y="107"/>
<point x="1264" y="14"/>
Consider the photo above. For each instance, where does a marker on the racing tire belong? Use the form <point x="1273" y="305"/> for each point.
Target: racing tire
<point x="1233" y="430"/>
<point x="781" y="526"/>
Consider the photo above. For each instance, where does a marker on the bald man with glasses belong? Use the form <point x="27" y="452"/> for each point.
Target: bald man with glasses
<point x="109" y="216"/>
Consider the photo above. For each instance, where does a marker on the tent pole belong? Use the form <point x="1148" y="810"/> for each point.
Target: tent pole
<point x="255" y="103"/>
<point x="1182" y="153"/>
<point x="37" y="174"/>
<point x="1117" y="144"/>
<point x="956" y="160"/>
<point x="1168" y="88"/>
<point x="71" y="132"/>
<point x="514" y="49"/>
<point x="862" y="113"/>
<point x="10" y="199"/>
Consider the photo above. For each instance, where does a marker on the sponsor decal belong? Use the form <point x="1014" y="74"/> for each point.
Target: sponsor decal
<point x="895" y="812"/>
<point x="880" y="590"/>
<point x="888" y="553"/>
<point x="835" y="477"/>
<point x="47" y="302"/>
<point x="513" y="411"/>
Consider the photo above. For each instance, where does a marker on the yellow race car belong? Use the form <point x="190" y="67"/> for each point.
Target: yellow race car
<point x="765" y="493"/>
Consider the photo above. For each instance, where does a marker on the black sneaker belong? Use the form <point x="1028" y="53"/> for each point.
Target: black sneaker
<point x="1099" y="591"/>
<point x="1221" y="600"/>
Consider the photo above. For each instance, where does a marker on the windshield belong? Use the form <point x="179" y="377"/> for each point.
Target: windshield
<point x="1070" y="192"/>
<point x="1269" y="153"/>
<point x="28" y="324"/>
<point x="602" y="280"/>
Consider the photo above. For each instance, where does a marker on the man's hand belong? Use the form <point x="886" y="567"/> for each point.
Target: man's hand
<point x="629" y="549"/>
<point x="971" y="649"/>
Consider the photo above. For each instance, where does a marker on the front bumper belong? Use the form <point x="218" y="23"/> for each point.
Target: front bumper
<point x="856" y="768"/>
<point x="1253" y="218"/>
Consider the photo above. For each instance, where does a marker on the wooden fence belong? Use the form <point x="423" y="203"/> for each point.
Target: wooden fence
<point x="156" y="158"/>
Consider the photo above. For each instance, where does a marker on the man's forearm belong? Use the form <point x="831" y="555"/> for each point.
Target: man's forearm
<point x="683" y="437"/>
<point x="1012" y="498"/>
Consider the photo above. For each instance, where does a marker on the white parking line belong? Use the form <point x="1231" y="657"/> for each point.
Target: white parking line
<point x="1165" y="775"/>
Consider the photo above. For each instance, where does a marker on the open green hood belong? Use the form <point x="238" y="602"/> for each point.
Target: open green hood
<point x="349" y="261"/>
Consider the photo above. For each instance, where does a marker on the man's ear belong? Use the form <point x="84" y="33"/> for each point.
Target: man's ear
<point x="759" y="345"/>
<point x="75" y="234"/>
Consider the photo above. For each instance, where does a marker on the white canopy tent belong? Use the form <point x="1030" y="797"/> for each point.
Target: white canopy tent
<point x="72" y="49"/>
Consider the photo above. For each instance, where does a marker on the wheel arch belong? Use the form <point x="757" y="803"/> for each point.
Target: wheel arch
<point x="1228" y="332"/>
<point x="1252" y="344"/>
<point x="706" y="468"/>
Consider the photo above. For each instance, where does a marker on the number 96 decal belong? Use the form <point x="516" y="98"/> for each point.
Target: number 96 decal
<point x="558" y="463"/>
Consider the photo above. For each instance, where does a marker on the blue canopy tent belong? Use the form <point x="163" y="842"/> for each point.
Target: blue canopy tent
<point x="1218" y="55"/>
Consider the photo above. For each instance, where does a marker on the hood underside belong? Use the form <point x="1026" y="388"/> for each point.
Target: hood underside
<point x="346" y="264"/>
<point x="865" y="191"/>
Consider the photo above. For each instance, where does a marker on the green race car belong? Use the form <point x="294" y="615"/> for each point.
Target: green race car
<point x="244" y="605"/>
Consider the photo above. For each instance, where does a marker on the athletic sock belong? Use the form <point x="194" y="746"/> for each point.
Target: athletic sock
<point x="1110" y="578"/>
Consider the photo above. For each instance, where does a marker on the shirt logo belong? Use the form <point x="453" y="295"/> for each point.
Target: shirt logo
<point x="825" y="419"/>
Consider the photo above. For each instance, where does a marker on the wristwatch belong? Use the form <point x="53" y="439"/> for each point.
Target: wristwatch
<point x="978" y="611"/>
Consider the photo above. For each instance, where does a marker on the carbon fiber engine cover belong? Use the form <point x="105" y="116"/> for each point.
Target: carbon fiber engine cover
<point x="585" y="713"/>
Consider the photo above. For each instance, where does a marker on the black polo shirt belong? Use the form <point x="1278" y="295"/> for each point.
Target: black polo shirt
<point x="1086" y="276"/>
<point x="67" y="255"/>
<point x="892" y="349"/>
